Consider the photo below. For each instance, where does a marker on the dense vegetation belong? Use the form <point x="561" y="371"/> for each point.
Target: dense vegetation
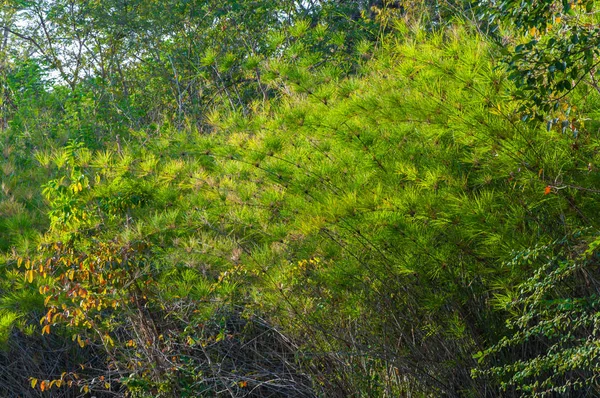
<point x="299" y="199"/>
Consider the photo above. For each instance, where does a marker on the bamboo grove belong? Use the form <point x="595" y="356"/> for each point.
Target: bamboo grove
<point x="299" y="199"/>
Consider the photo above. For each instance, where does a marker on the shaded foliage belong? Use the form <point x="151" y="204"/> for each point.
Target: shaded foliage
<point x="556" y="50"/>
<point x="553" y="344"/>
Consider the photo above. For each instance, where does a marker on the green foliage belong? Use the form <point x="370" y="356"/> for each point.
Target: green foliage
<point x="116" y="271"/>
<point x="295" y="199"/>
<point x="552" y="348"/>
<point x="556" y="48"/>
<point x="413" y="184"/>
<point x="271" y="209"/>
<point x="137" y="65"/>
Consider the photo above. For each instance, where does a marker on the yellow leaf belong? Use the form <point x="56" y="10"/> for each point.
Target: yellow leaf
<point x="33" y="382"/>
<point x="80" y="341"/>
<point x="46" y="329"/>
<point x="107" y="385"/>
